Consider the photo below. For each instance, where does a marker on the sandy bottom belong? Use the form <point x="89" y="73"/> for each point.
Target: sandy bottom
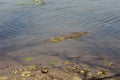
<point x="39" y="66"/>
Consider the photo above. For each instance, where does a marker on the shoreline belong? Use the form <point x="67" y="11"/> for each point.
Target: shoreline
<point x="65" y="70"/>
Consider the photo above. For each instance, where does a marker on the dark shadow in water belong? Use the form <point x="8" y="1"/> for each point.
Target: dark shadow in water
<point x="12" y="48"/>
<point x="7" y="49"/>
<point x="4" y="56"/>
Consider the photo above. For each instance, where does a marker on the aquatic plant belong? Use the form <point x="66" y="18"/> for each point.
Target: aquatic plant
<point x="28" y="2"/>
<point x="52" y="62"/>
<point x="32" y="67"/>
<point x="39" y="1"/>
<point x="36" y="1"/>
<point x="28" y="59"/>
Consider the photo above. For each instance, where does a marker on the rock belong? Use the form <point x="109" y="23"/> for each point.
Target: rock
<point x="82" y="72"/>
<point x="111" y="64"/>
<point x="44" y="70"/>
<point x="26" y="73"/>
<point x="14" y="71"/>
<point x="76" y="78"/>
<point x="90" y="74"/>
<point x="4" y="78"/>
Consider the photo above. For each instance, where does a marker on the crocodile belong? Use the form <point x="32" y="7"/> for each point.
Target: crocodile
<point x="65" y="37"/>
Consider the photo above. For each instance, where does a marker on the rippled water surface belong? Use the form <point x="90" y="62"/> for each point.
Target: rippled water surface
<point x="24" y="26"/>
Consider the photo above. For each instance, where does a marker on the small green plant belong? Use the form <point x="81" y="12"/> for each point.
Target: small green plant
<point x="28" y="59"/>
<point x="52" y="62"/>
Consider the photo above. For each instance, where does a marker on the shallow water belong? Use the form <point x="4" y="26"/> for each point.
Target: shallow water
<point x="24" y="26"/>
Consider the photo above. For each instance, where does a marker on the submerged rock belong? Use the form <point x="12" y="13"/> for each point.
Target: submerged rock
<point x="44" y="70"/>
